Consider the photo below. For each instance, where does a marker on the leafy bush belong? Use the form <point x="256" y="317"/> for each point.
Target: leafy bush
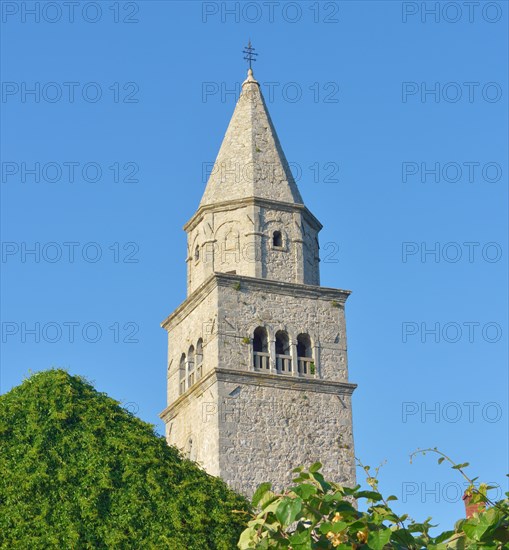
<point x="315" y="513"/>
<point x="79" y="471"/>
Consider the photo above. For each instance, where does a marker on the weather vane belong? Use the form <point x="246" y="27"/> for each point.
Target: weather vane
<point x="249" y="54"/>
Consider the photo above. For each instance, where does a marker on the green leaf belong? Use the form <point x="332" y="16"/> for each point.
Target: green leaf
<point x="256" y="522"/>
<point x="370" y="495"/>
<point x="469" y="528"/>
<point x="266" y="499"/>
<point x="476" y="528"/>
<point x="301" y="540"/>
<point x="444" y="536"/>
<point x="338" y="526"/>
<point x="264" y="544"/>
<point x="247" y="539"/>
<point x="404" y="537"/>
<point x="325" y="527"/>
<point x="378" y="539"/>
<point x="273" y="506"/>
<point x="260" y="491"/>
<point x="288" y="509"/>
<point x="457" y="543"/>
<point x="318" y="477"/>
<point x="305" y="490"/>
<point x="315" y="467"/>
<point x="441" y="459"/>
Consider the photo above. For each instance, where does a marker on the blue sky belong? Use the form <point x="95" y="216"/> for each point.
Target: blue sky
<point x="131" y="100"/>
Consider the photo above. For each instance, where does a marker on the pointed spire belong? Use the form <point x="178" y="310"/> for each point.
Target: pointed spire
<point x="251" y="162"/>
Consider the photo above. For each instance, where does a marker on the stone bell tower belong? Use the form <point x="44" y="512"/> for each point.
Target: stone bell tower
<point x="257" y="357"/>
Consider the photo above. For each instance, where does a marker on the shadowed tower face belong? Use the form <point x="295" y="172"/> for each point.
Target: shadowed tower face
<point x="257" y="363"/>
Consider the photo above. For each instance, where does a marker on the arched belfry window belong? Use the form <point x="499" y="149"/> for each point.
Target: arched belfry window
<point x="182" y="373"/>
<point x="282" y="343"/>
<point x="305" y="363"/>
<point x="261" y="349"/>
<point x="303" y="345"/>
<point x="190" y="367"/>
<point x="260" y="340"/>
<point x="277" y="239"/>
<point x="283" y="357"/>
<point x="199" y="359"/>
<point x="197" y="253"/>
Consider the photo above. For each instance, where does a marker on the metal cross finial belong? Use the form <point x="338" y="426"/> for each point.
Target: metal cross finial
<point x="249" y="54"/>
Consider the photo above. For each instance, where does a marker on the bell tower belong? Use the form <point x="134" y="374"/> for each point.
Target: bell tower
<point x="257" y="377"/>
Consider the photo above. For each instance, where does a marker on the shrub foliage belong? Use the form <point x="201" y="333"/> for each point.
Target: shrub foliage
<point x="79" y="471"/>
<point x="315" y="513"/>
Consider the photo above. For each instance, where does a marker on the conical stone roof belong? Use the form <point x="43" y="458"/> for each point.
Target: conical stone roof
<point x="251" y="162"/>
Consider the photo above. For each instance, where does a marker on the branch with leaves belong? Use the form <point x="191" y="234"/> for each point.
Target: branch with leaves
<point x="315" y="513"/>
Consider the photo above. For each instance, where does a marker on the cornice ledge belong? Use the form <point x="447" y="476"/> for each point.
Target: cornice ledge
<point x="196" y="296"/>
<point x="200" y="387"/>
<point x="226" y="279"/>
<point x="280" y="381"/>
<point x="257" y="201"/>
<point x="235" y="376"/>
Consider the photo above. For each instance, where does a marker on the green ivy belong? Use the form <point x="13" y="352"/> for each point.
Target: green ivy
<point x="79" y="471"/>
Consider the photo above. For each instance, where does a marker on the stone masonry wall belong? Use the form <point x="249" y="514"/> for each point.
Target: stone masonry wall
<point x="254" y="431"/>
<point x="243" y="309"/>
<point x="235" y="240"/>
<point x="199" y="322"/>
<point x="193" y="426"/>
<point x="268" y="431"/>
